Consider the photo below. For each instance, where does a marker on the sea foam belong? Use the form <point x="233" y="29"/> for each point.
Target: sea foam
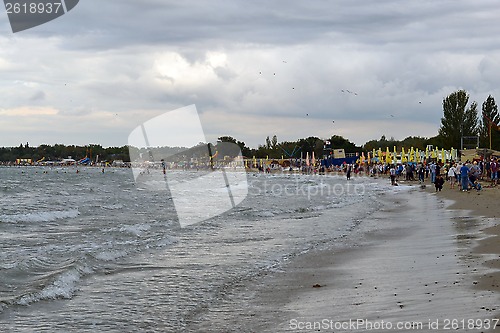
<point x="47" y="216"/>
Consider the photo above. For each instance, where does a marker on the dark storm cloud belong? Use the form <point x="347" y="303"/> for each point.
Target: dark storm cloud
<point x="258" y="60"/>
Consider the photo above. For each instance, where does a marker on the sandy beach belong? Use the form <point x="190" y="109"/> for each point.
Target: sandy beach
<point x="424" y="264"/>
<point x="486" y="206"/>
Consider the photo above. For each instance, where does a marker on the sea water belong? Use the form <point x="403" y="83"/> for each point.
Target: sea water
<point x="90" y="251"/>
<point x="87" y="250"/>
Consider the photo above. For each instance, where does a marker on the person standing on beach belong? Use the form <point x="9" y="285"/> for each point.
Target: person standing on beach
<point x="458" y="167"/>
<point x="432" y="168"/>
<point x="464" y="177"/>
<point x="392" y="172"/>
<point x="421" y="174"/>
<point x="452" y="175"/>
<point x="475" y="172"/>
<point x="439" y="182"/>
<point x="494" y="171"/>
<point x="349" y="167"/>
<point x="163" y="166"/>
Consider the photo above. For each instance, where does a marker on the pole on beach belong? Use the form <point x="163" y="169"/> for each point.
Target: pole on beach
<point x="489" y="134"/>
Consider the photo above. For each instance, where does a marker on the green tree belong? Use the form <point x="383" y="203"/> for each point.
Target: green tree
<point x="245" y="151"/>
<point x="311" y="144"/>
<point x="490" y="114"/>
<point x="415" y="142"/>
<point x="274" y="141"/>
<point x="458" y="120"/>
<point x="268" y="143"/>
<point x="339" y="142"/>
<point x="226" y="138"/>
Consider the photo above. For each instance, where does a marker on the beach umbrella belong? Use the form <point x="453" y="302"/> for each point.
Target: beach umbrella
<point x="373" y="153"/>
<point x="307" y="159"/>
<point x="313" y="160"/>
<point x="443" y="155"/>
<point x="433" y="153"/>
<point x="379" y="153"/>
<point x="412" y="155"/>
<point x="452" y="154"/>
<point x="369" y="159"/>
<point x="426" y="153"/>
<point x="388" y="157"/>
<point x="403" y="155"/>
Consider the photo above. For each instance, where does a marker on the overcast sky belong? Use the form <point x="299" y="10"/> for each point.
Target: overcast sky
<point x="252" y="68"/>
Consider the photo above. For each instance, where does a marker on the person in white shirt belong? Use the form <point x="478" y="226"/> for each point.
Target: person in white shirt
<point x="392" y="172"/>
<point x="452" y="175"/>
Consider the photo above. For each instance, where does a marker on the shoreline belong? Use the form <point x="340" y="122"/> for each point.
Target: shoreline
<point x="485" y="206"/>
<point x="410" y="266"/>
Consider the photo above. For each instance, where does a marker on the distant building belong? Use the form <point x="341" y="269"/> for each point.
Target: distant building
<point x="118" y="163"/>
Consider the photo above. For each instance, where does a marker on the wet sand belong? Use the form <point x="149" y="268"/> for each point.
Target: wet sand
<point x="412" y="264"/>
<point x="485" y="205"/>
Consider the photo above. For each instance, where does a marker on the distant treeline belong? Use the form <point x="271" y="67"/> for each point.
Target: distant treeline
<point x="59" y="151"/>
<point x="270" y="149"/>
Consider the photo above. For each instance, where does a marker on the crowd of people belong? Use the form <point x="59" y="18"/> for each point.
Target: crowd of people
<point x="466" y="176"/>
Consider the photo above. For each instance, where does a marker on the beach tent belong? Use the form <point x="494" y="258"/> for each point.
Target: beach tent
<point x="85" y="160"/>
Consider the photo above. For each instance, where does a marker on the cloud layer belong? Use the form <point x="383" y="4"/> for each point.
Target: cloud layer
<point x="252" y="68"/>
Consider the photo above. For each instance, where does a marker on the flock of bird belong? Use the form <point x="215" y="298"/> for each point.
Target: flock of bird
<point x="349" y="92"/>
<point x="343" y="91"/>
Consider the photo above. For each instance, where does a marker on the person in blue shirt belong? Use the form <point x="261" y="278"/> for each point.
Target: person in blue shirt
<point x="464" y="177"/>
